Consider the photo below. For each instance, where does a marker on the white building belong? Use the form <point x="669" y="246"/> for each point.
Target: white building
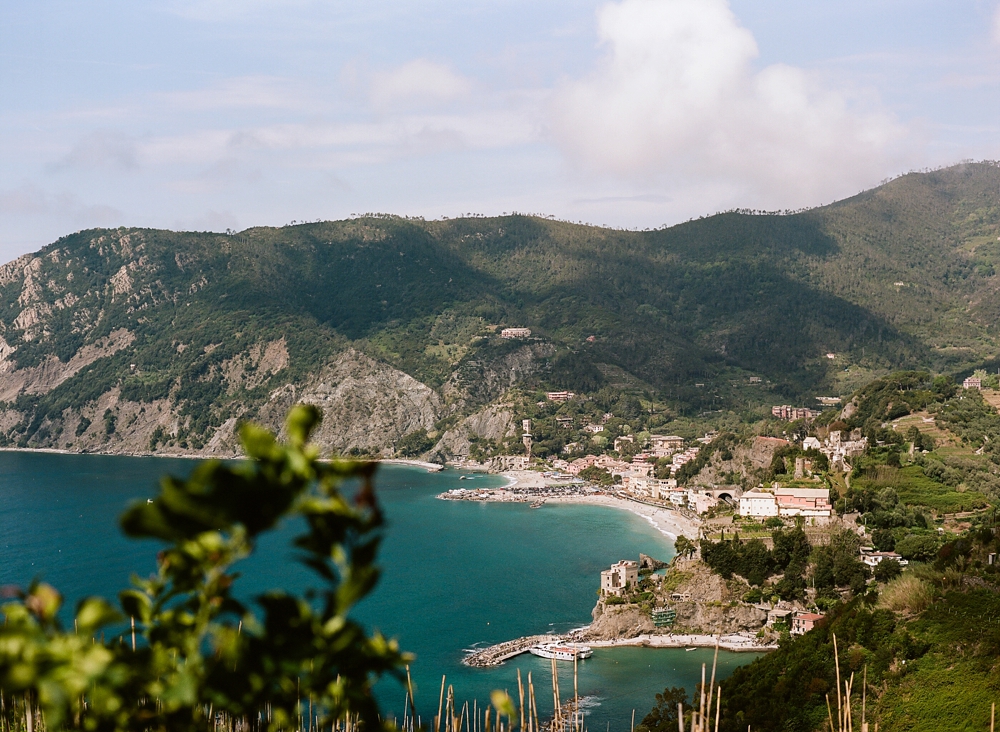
<point x="811" y="443"/>
<point x="873" y="559"/>
<point x="758" y="504"/>
<point x="515" y="333"/>
<point x="621" y="576"/>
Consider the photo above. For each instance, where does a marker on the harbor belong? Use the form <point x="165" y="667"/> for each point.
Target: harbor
<point x="495" y="655"/>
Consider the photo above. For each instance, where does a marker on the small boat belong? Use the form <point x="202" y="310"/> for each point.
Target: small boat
<point x="537" y="504"/>
<point x="562" y="651"/>
<point x="690" y="649"/>
<point x="465" y="477"/>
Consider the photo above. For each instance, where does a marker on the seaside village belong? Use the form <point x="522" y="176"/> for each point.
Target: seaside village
<point x="689" y="605"/>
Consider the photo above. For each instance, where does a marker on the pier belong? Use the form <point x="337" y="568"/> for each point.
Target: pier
<point x="495" y="655"/>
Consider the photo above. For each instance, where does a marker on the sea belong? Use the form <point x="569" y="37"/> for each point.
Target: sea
<point x="457" y="575"/>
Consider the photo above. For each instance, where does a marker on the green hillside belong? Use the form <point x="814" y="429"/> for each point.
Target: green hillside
<point x="901" y="276"/>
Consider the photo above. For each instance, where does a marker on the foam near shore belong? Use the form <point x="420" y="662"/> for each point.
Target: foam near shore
<point x="668" y="522"/>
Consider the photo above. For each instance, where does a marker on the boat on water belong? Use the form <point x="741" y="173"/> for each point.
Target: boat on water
<point x="562" y="651"/>
<point x="537" y="504"/>
<point x="690" y="649"/>
<point x="465" y="477"/>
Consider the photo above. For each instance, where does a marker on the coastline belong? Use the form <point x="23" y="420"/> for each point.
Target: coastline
<point x="737" y="643"/>
<point x="667" y="522"/>
<point x="429" y="467"/>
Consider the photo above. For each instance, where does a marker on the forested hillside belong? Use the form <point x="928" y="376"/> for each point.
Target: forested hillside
<point x="136" y="339"/>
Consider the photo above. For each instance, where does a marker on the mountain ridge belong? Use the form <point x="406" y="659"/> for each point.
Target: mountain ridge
<point x="218" y="326"/>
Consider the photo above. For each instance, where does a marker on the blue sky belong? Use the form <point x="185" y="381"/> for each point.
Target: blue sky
<point x="215" y="114"/>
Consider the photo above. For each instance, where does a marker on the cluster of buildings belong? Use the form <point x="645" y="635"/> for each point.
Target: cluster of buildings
<point x="788" y="502"/>
<point x="838" y="447"/>
<point x="791" y="414"/>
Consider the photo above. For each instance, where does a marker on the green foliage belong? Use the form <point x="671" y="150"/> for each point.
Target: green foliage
<point x="837" y="564"/>
<point x="724" y="442"/>
<point x="415" y="443"/>
<point x="786" y="689"/>
<point x="887" y="570"/>
<point x="199" y="648"/>
<point x="663" y="717"/>
<point x="82" y="426"/>
<point x="918" y="485"/>
<point x="753" y="561"/>
<point x="597" y="475"/>
<point x="684" y="546"/>
<point x="884" y="540"/>
<point x="917" y="547"/>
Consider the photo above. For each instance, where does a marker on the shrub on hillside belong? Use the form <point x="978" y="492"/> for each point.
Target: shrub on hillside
<point x="907" y="594"/>
<point x="414" y="444"/>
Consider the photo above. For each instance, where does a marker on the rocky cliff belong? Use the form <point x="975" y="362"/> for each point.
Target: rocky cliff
<point x="705" y="603"/>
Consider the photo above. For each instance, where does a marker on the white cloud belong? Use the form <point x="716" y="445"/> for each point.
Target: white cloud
<point x="30" y="201"/>
<point x="100" y="149"/>
<point x="366" y="142"/>
<point x="677" y="94"/>
<point x="416" y="82"/>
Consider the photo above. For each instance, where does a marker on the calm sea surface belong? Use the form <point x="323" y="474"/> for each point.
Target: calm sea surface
<point x="456" y="575"/>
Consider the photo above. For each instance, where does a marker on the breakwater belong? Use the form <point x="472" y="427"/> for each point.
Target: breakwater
<point x="737" y="642"/>
<point x="495" y="655"/>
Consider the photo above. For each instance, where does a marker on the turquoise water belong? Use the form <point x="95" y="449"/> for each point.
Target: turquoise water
<point x="456" y="574"/>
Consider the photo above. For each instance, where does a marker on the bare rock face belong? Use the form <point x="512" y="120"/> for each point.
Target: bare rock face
<point x="365" y="404"/>
<point x="492" y="423"/>
<point x="481" y="382"/>
<point x="49" y="374"/>
<point x="612" y="622"/>
<point x="705" y="603"/>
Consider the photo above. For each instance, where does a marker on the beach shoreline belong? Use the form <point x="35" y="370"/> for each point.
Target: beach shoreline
<point x="668" y="522"/>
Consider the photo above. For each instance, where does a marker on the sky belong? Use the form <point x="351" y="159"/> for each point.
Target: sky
<point x="225" y="114"/>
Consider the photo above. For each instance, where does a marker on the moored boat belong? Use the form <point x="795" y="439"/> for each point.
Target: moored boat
<point x="562" y="651"/>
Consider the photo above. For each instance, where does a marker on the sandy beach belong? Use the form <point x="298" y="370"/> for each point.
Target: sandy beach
<point x="429" y="467"/>
<point x="666" y="521"/>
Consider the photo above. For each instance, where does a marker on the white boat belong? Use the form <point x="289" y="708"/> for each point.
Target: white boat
<point x="562" y="651"/>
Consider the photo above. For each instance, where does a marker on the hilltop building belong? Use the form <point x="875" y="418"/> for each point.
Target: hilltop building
<point x="620" y="577"/>
<point x="973" y="383"/>
<point x="559" y="396"/>
<point x="790" y="413"/>
<point x="515" y="333"/>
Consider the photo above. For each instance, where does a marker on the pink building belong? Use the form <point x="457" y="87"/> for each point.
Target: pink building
<point x="807" y="502"/>
<point x="804" y="622"/>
